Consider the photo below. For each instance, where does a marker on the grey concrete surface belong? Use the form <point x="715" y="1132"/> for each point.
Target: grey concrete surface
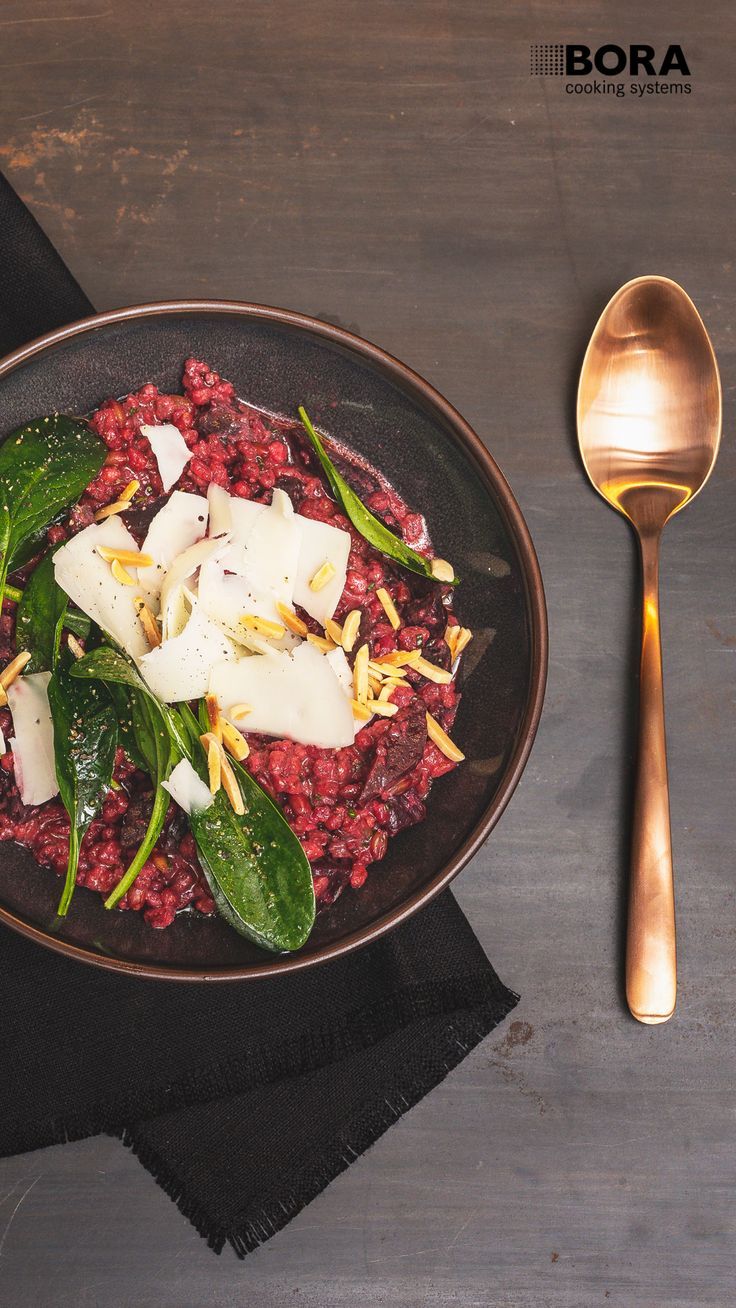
<point x="395" y="168"/>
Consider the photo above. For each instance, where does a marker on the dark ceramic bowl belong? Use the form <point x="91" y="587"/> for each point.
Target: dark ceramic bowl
<point x="278" y="360"/>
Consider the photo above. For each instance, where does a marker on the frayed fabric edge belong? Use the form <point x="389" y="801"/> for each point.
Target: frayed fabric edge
<point x="367" y="1126"/>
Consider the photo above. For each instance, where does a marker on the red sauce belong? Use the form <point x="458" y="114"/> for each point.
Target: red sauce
<point x="344" y="804"/>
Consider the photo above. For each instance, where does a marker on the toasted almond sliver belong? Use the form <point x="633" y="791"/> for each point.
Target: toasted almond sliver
<point x="3" y="697"/>
<point x="240" y="710"/>
<point x="350" y="629"/>
<point x="230" y="786"/>
<point x="291" y="621"/>
<point x="389" y="607"/>
<point x="360" y="675"/>
<point x="213" y="715"/>
<point x="387" y="690"/>
<point x="131" y="489"/>
<point x="322" y="576"/>
<point x="74" y="645"/>
<point x="120" y="574"/>
<point x="441" y="739"/>
<point x="396" y="681"/>
<point x="334" y="631"/>
<point x="432" y="672"/>
<point x="374" y="682"/>
<point x="383" y="708"/>
<point x="118" y="506"/>
<point x="463" y="638"/>
<point x="214" y="760"/>
<point x="322" y="642"/>
<point x="361" y="711"/>
<point x="128" y="558"/>
<point x="399" y="658"/>
<point x="148" y="622"/>
<point x="234" y="742"/>
<point x="263" y="626"/>
<point x="442" y="570"/>
<point x="14" y="669"/>
<point x="451" y="635"/>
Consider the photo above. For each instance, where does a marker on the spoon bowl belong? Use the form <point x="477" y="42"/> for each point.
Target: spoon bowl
<point x="649" y="427"/>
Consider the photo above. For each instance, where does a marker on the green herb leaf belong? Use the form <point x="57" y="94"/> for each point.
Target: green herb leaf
<point x="369" y="526"/>
<point x="147" y="738"/>
<point x="85" y="740"/>
<point x="40" y="617"/>
<point x="44" y="468"/>
<point x="255" y="866"/>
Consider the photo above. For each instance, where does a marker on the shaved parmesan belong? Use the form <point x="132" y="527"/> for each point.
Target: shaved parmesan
<point x="187" y="788"/>
<point x="3" y="746"/>
<point x="225" y="597"/>
<point x="221" y="517"/>
<point x="33" y="743"/>
<point x="88" y="581"/>
<point x="269" y="557"/>
<point x="180" y="523"/>
<point x="293" y="695"/>
<point x="181" y="572"/>
<point x="245" y="514"/>
<point x="170" y="451"/>
<point x="319" y="543"/>
<point x="179" y="668"/>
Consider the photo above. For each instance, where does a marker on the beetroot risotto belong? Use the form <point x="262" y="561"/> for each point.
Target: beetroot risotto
<point x="229" y="659"/>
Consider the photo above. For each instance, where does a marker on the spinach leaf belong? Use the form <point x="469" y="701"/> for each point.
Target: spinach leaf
<point x="370" y="527"/>
<point x="257" y="871"/>
<point x="255" y="866"/>
<point x="85" y="740"/>
<point x="146" y="736"/>
<point x="40" y="617"/>
<point x="44" y="468"/>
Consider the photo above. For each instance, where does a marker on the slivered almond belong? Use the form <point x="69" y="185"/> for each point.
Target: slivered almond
<point x="334" y="631"/>
<point x="374" y="682"/>
<point x="74" y="645"/>
<point x="350" y="629"/>
<point x="14" y="669"/>
<point x="131" y="489"/>
<point x="120" y="574"/>
<point x="463" y="638"/>
<point x="3" y="698"/>
<point x="291" y="621"/>
<point x="432" y="672"/>
<point x="322" y="576"/>
<point x="322" y="642"/>
<point x="442" y="570"/>
<point x="389" y="607"/>
<point x="441" y="739"/>
<point x="361" y="711"/>
<point x="398" y="658"/>
<point x="383" y="708"/>
<point x="148" y="622"/>
<point x="240" y="710"/>
<point x="214" y="760"/>
<point x="263" y="626"/>
<point x="230" y="786"/>
<point x="387" y="690"/>
<point x="128" y="558"/>
<point x="117" y="506"/>
<point x="360" y="675"/>
<point x="213" y="716"/>
<point x="234" y="742"/>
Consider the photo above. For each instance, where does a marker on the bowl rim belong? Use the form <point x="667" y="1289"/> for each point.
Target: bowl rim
<point x="466" y="438"/>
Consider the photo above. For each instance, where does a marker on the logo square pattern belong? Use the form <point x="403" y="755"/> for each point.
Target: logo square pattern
<point x="547" y="60"/>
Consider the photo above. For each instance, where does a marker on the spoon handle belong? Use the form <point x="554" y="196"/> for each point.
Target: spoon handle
<point x="651" y="972"/>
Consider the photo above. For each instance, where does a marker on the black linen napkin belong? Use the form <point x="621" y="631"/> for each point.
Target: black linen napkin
<point x="242" y="1100"/>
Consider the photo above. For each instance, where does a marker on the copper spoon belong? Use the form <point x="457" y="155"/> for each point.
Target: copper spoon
<point x="649" y="427"/>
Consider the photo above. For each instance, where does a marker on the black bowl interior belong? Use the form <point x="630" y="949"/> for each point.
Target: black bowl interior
<point x="357" y="399"/>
